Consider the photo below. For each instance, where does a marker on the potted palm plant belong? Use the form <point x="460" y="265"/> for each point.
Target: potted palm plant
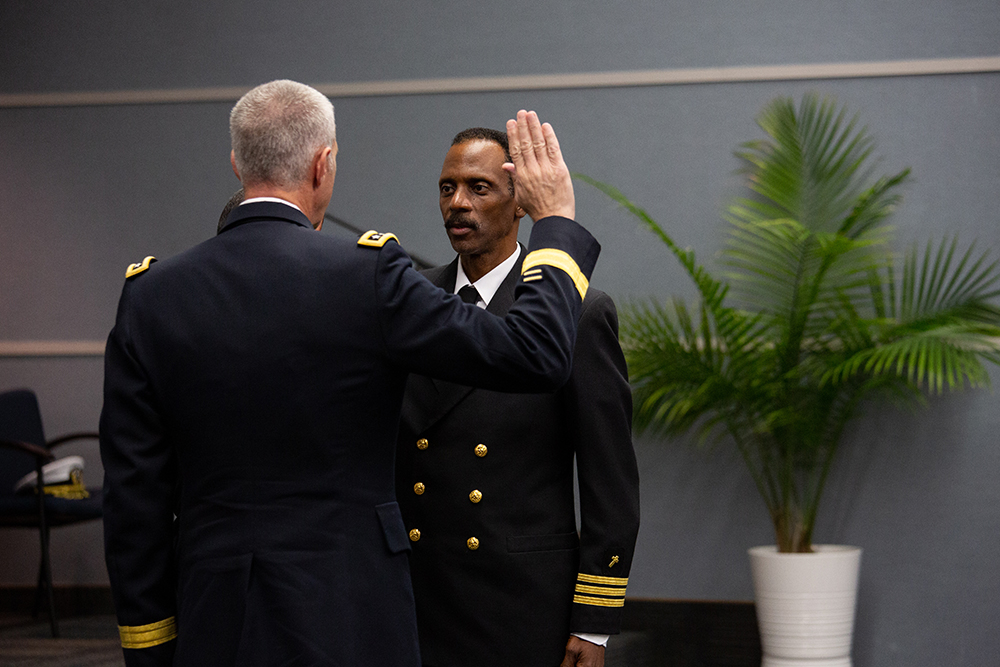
<point x="813" y="317"/>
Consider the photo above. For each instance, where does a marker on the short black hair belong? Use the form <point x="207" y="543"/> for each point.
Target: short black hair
<point x="487" y="134"/>
<point x="484" y="134"/>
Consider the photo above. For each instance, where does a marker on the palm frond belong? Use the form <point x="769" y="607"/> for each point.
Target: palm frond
<point x="820" y="318"/>
<point x="935" y="287"/>
<point x="712" y="291"/>
<point x="934" y="360"/>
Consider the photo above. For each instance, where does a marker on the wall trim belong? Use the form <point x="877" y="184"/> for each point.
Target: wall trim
<point x="484" y="84"/>
<point x="51" y="348"/>
<point x="80" y="348"/>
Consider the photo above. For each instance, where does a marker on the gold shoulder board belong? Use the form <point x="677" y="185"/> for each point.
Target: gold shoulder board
<point x="139" y="267"/>
<point x="375" y="239"/>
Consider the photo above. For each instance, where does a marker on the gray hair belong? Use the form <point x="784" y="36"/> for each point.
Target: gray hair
<point x="276" y="128"/>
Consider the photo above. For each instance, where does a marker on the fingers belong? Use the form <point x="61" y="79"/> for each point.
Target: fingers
<point x="530" y="141"/>
<point x="551" y="143"/>
<point x="527" y="138"/>
<point x="514" y="147"/>
<point x="542" y="183"/>
<point x="536" y="135"/>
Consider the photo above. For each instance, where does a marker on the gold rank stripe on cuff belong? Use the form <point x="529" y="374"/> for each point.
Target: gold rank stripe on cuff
<point x="601" y="590"/>
<point x="611" y="590"/>
<point x="560" y="260"/>
<point x="598" y="602"/>
<point x="606" y="581"/>
<point x="146" y="636"/>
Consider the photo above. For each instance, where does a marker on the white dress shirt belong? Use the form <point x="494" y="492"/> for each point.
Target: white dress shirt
<point x="274" y="199"/>
<point x="488" y="285"/>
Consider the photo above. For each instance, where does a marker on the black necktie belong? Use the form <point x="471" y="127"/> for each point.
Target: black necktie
<point x="469" y="294"/>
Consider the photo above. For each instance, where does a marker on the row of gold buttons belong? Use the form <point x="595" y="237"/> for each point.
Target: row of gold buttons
<point x="475" y="496"/>
<point x="481" y="449"/>
<point x="472" y="542"/>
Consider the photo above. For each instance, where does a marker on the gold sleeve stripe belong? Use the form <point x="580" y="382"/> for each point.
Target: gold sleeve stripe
<point x="560" y="260"/>
<point x="599" y="590"/>
<point x="145" y="636"/>
<point x="531" y="272"/>
<point x="598" y="602"/>
<point x="607" y="581"/>
<point x="533" y="278"/>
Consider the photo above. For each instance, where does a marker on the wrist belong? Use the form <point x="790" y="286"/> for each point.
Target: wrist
<point x="559" y="212"/>
<point x="593" y="638"/>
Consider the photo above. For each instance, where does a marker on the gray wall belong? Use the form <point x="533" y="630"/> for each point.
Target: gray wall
<point x="86" y="190"/>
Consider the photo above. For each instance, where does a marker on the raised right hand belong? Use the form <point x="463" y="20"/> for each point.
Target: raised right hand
<point x="542" y="183"/>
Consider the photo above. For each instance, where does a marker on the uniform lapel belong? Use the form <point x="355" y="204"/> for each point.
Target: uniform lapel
<point x="435" y="398"/>
<point x="504" y="298"/>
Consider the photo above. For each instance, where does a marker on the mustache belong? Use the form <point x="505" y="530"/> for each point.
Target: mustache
<point x="460" y="220"/>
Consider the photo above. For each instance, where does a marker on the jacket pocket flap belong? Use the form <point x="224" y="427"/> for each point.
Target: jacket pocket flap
<point x="392" y="527"/>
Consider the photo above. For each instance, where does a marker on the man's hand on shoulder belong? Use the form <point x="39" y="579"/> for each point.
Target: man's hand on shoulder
<point x="580" y="652"/>
<point x="542" y="183"/>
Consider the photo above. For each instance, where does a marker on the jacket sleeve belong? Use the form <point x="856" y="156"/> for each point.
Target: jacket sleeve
<point x="427" y="331"/>
<point x="139" y="485"/>
<point x="599" y="408"/>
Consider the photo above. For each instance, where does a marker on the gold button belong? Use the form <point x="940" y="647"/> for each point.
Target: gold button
<point x="418" y="488"/>
<point x="423" y="444"/>
<point x="475" y="496"/>
<point x="414" y="535"/>
<point x="472" y="543"/>
<point x="481" y="451"/>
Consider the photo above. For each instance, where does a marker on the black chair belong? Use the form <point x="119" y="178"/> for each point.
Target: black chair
<point x="23" y="449"/>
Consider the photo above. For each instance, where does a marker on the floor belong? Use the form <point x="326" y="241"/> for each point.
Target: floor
<point x="92" y="641"/>
<point x="88" y="641"/>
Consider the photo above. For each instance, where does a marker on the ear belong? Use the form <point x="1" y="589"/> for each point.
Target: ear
<point x="519" y="213"/>
<point x="321" y="166"/>
<point x="232" y="161"/>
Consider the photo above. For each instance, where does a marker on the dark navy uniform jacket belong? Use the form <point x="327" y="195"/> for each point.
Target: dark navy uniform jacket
<point x="252" y="395"/>
<point x="500" y="575"/>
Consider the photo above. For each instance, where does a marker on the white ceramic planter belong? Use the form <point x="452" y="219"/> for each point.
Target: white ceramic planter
<point x="805" y="605"/>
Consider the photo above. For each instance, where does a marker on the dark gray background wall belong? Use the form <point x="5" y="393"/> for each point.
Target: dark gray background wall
<point x="85" y="190"/>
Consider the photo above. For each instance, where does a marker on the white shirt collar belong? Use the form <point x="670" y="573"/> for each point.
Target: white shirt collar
<point x="274" y="199"/>
<point x="488" y="285"/>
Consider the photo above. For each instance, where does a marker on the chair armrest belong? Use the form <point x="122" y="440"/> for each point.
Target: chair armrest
<point x="28" y="448"/>
<point x="69" y="437"/>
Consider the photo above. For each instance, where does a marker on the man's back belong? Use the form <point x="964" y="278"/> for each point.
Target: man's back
<point x="267" y="388"/>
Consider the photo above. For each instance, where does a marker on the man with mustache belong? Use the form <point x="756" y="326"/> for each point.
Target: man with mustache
<point x="485" y="479"/>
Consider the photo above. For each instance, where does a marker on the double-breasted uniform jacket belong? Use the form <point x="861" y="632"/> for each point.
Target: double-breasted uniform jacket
<point x="485" y="483"/>
<point x="252" y="388"/>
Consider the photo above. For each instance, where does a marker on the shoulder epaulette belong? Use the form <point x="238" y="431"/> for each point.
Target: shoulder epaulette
<point x="375" y="239"/>
<point x="139" y="267"/>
